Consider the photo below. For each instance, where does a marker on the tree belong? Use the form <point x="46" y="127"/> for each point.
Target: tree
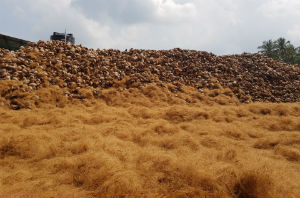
<point x="268" y="49"/>
<point x="282" y="50"/>
<point x="297" y="55"/>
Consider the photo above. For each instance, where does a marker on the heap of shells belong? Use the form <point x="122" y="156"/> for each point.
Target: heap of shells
<point x="251" y="77"/>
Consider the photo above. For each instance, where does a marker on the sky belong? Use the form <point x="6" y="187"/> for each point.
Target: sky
<point x="217" y="26"/>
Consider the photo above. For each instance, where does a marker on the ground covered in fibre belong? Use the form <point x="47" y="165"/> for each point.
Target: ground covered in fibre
<point x="149" y="142"/>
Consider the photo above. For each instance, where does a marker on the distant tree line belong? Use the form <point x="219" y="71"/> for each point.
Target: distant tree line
<point x="281" y="50"/>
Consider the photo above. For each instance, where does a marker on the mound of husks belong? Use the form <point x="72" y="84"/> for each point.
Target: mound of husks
<point x="251" y="77"/>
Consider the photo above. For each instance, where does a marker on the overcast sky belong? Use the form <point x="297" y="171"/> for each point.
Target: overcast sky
<point x="218" y="26"/>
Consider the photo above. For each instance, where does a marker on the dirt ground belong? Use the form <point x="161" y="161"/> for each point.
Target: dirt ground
<point x="150" y="142"/>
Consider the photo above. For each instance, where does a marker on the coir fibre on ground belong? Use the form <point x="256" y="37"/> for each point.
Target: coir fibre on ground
<point x="149" y="142"/>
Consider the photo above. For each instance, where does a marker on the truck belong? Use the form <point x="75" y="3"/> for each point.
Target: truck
<point x="63" y="37"/>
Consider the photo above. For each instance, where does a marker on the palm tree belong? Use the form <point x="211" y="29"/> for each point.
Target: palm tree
<point x="297" y="59"/>
<point x="282" y="50"/>
<point x="289" y="54"/>
<point x="268" y="49"/>
<point x="282" y="47"/>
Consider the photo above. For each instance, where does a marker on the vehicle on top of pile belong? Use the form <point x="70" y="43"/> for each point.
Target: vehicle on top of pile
<point x="63" y="37"/>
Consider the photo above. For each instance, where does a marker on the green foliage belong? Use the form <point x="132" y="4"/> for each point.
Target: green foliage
<point x="281" y="50"/>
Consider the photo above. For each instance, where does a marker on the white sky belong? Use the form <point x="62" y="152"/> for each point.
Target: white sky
<point x="218" y="26"/>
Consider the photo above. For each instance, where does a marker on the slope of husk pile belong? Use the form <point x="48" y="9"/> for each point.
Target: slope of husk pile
<point x="251" y="77"/>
